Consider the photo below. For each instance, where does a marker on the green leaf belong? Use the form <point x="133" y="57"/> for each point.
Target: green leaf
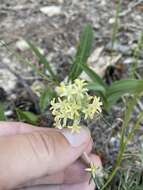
<point x="27" y="116"/>
<point x="2" y="116"/>
<point x="43" y="60"/>
<point x="93" y="76"/>
<point x="45" y="98"/>
<point x="83" y="52"/>
<point x="116" y="23"/>
<point x="96" y="87"/>
<point x="122" y="87"/>
<point x="100" y="91"/>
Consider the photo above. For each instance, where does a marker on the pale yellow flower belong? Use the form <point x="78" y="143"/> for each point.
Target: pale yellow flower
<point x="75" y="128"/>
<point x="68" y="90"/>
<point x="97" y="103"/>
<point x="58" y="123"/>
<point x="79" y="88"/>
<point x="92" y="108"/>
<point x="80" y="84"/>
<point x="64" y="89"/>
<point x="72" y="103"/>
<point x="92" y="169"/>
<point x="38" y="87"/>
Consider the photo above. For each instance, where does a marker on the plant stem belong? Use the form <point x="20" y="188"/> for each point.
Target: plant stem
<point x="22" y="59"/>
<point x="123" y="143"/>
<point x="115" y="25"/>
<point x="136" y="55"/>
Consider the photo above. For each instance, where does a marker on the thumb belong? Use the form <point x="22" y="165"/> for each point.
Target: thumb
<point x="29" y="156"/>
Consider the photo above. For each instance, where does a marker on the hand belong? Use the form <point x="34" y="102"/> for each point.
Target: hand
<point x="36" y="158"/>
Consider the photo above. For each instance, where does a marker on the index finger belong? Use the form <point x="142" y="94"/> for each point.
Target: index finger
<point x="13" y="128"/>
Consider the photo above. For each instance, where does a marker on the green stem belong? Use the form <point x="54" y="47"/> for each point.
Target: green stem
<point x="115" y="25"/>
<point x="136" y="55"/>
<point x="110" y="178"/>
<point x="136" y="126"/>
<point x="123" y="143"/>
<point x="22" y="59"/>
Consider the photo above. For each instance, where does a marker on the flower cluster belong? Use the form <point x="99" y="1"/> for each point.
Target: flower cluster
<point x="72" y="104"/>
<point x="94" y="170"/>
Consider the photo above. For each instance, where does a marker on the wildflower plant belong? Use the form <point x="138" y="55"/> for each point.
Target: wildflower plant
<point x="92" y="169"/>
<point x="97" y="173"/>
<point x="73" y="104"/>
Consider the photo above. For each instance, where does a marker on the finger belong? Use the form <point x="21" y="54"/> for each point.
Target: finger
<point x="72" y="175"/>
<point x="75" y="173"/>
<point x="13" y="128"/>
<point x="37" y="154"/>
<point x="80" y="186"/>
<point x="96" y="160"/>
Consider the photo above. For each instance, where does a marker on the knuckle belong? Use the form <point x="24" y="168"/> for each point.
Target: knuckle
<point x="42" y="144"/>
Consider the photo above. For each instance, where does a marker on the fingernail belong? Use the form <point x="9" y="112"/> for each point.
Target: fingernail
<point x="77" y="139"/>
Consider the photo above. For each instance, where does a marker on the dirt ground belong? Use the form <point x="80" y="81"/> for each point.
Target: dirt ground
<point x="54" y="25"/>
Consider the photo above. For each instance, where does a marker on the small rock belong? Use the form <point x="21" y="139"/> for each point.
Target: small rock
<point x="103" y="2"/>
<point x="111" y="20"/>
<point x="114" y="141"/>
<point x="71" y="51"/>
<point x="124" y="49"/>
<point x="95" y="55"/>
<point x="129" y="60"/>
<point x="7" y="80"/>
<point x="61" y="1"/>
<point x="22" y="45"/>
<point x="51" y="10"/>
<point x="8" y="113"/>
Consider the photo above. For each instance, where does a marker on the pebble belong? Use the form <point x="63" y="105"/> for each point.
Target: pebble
<point x="111" y="20"/>
<point x="51" y="10"/>
<point x="7" y="80"/>
<point x="71" y="51"/>
<point x="124" y="49"/>
<point x="8" y="113"/>
<point x="61" y="1"/>
<point x="22" y="45"/>
<point x="129" y="60"/>
<point x="114" y="141"/>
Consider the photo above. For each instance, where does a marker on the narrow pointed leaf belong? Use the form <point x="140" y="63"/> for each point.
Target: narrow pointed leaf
<point x="2" y="115"/>
<point x="83" y="52"/>
<point x="45" y="99"/>
<point x="27" y="116"/>
<point x="93" y="75"/>
<point x="42" y="60"/>
<point x="122" y="87"/>
<point x="96" y="87"/>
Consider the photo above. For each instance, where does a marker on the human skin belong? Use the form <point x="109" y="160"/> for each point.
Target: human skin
<point x="36" y="158"/>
